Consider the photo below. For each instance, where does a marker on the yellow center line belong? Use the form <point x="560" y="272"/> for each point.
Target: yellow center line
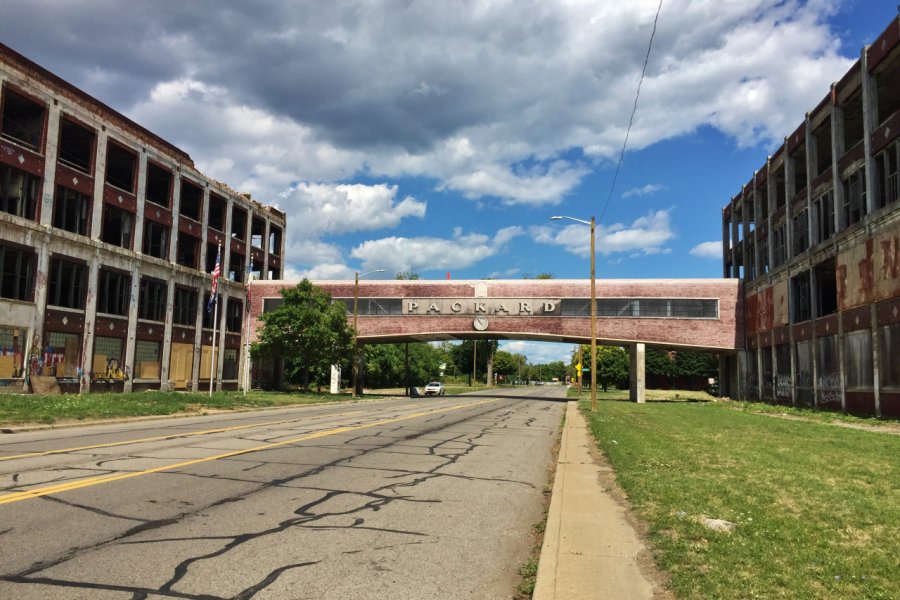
<point x="173" y="436"/>
<point x="82" y="483"/>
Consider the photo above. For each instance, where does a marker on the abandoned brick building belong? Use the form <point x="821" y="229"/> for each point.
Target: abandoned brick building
<point x="108" y="237"/>
<point x="815" y="235"/>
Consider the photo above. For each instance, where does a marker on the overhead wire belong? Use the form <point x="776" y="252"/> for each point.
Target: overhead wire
<point x="633" y="111"/>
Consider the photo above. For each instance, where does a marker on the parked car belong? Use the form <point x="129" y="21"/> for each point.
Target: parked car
<point x="435" y="388"/>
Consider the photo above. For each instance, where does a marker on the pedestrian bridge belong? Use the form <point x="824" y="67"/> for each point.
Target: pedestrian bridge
<point x="701" y="314"/>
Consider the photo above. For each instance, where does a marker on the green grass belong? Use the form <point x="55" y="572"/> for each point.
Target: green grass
<point x="816" y="506"/>
<point x="651" y="395"/>
<point x="20" y="408"/>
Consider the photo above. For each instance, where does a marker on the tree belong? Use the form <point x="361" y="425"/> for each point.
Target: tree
<point x="308" y="331"/>
<point x="506" y="363"/>
<point x="612" y="365"/>
<point x="407" y="275"/>
<point x="386" y="364"/>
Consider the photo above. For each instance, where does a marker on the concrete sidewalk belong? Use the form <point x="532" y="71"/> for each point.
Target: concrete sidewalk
<point x="590" y="550"/>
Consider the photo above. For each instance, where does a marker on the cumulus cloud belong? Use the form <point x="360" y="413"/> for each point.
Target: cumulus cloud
<point x="539" y="352"/>
<point x="707" y="250"/>
<point x="646" y="235"/>
<point x="397" y="254"/>
<point x="646" y="190"/>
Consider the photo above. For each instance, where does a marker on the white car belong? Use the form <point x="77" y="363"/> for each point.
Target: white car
<point x="435" y="388"/>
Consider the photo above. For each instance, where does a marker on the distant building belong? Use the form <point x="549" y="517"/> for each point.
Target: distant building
<point x="108" y="236"/>
<point x="815" y="235"/>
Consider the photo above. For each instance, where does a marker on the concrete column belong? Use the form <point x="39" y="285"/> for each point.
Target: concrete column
<point x="35" y="342"/>
<point x="130" y="340"/>
<point x="745" y="228"/>
<point x="176" y="215"/>
<point x="99" y="179"/>
<point x="248" y="261"/>
<point x="90" y="318"/>
<point x="790" y="174"/>
<point x="266" y="232"/>
<point x="220" y="342"/>
<point x="726" y="247"/>
<point x="637" y="374"/>
<point x="870" y="122"/>
<point x="772" y="193"/>
<point x="226" y="251"/>
<point x="50" y="156"/>
<point x="204" y="227"/>
<point x="811" y="161"/>
<point x="837" y="151"/>
<point x="735" y="269"/>
<point x="166" y="355"/>
<point x="876" y="358"/>
<point x="198" y="338"/>
<point x="141" y="199"/>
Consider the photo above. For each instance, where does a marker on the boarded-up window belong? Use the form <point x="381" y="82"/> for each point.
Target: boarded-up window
<point x="181" y="364"/>
<point x="858" y="359"/>
<point x="146" y="360"/>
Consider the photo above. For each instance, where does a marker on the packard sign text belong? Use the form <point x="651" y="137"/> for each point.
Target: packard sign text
<point x="500" y="307"/>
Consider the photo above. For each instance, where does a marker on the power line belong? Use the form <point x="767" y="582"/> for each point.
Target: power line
<point x="633" y="111"/>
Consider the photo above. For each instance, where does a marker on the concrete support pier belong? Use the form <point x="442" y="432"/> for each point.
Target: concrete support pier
<point x="637" y="374"/>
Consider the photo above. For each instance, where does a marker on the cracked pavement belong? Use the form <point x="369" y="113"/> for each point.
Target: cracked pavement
<point x="389" y="499"/>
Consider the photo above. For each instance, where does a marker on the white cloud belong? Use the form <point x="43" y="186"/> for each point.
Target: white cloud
<point x="539" y="352"/>
<point x="646" y="190"/>
<point x="397" y="254"/>
<point x="708" y="250"/>
<point x="646" y="235"/>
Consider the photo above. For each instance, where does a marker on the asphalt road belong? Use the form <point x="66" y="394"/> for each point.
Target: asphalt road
<point x="413" y="498"/>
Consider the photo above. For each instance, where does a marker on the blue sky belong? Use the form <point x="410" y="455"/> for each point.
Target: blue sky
<point x="440" y="137"/>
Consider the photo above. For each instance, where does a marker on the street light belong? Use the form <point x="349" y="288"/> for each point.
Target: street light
<point x="355" y="368"/>
<point x="592" y="225"/>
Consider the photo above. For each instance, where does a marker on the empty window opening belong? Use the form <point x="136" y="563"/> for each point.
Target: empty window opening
<point x="16" y="273"/>
<point x="801" y="298"/>
<point x="185" y="307"/>
<point x="799" y="158"/>
<point x="858" y="364"/>
<point x="230" y="364"/>
<point x="191" y="200"/>
<point x="853" y="120"/>
<point x="113" y="292"/>
<point x="887" y="81"/>
<point x="152" y="300"/>
<point x="778" y="179"/>
<point x="275" y="241"/>
<point x="117" y="226"/>
<point x="211" y="253"/>
<point x="750" y="211"/>
<point x="76" y="146"/>
<point x="800" y="230"/>
<point x="208" y="314"/>
<point x="18" y="192"/>
<point x="762" y="256"/>
<point x="274" y="274"/>
<point x="826" y="288"/>
<point x="257" y="233"/>
<point x="217" y="209"/>
<point x="67" y="283"/>
<point x="822" y="139"/>
<point x="71" y="211"/>
<point x="778" y="246"/>
<point x="236" y="267"/>
<point x="156" y="240"/>
<point x="751" y="267"/>
<point x="238" y="223"/>
<point x="854" y="208"/>
<point x="158" y="189"/>
<point x="823" y="212"/>
<point x="187" y="251"/>
<point x="762" y="203"/>
<point x="888" y="178"/>
<point x="234" y="315"/>
<point x="121" y="167"/>
<point x="23" y="120"/>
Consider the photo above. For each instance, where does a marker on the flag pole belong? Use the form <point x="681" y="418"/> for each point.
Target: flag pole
<point x="215" y="300"/>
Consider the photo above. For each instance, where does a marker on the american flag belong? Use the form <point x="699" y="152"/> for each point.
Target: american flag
<point x="215" y="281"/>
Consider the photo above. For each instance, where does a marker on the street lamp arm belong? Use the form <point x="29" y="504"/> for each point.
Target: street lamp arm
<point x="582" y="221"/>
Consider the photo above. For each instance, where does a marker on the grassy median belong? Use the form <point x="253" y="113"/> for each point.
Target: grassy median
<point x="60" y="408"/>
<point x="815" y="505"/>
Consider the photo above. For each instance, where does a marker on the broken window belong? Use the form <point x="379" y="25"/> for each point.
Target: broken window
<point x="762" y="203"/>
<point x="191" y="200"/>
<point x="109" y="358"/>
<point x="854" y="197"/>
<point x="212" y="251"/>
<point x="823" y="210"/>
<point x="751" y="253"/>
<point x="18" y="192"/>
<point x="889" y="341"/>
<point x="888" y="178"/>
<point x="121" y="167"/>
<point x="187" y="250"/>
<point x="217" y="209"/>
<point x="234" y="316"/>
<point x="799" y="158"/>
<point x="238" y="222"/>
<point x="828" y="372"/>
<point x="853" y="120"/>
<point x="23" y="120"/>
<point x="156" y="240"/>
<point x="822" y="139"/>
<point x="778" y="246"/>
<point x="152" y="300"/>
<point x="257" y="233"/>
<point x="71" y="211"/>
<point x="208" y="310"/>
<point x="16" y="273"/>
<point x="185" y="307"/>
<point x="113" y="292"/>
<point x="800" y="230"/>
<point x="236" y="267"/>
<point x="274" y="274"/>
<point x="67" y="283"/>
<point x="158" y="189"/>
<point x="275" y="241"/>
<point x="826" y="288"/>
<point x="762" y="256"/>
<point x="76" y="146"/>
<point x="117" y="226"/>
<point x="887" y="82"/>
<point x="801" y="298"/>
<point x="229" y="364"/>
<point x="778" y="179"/>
